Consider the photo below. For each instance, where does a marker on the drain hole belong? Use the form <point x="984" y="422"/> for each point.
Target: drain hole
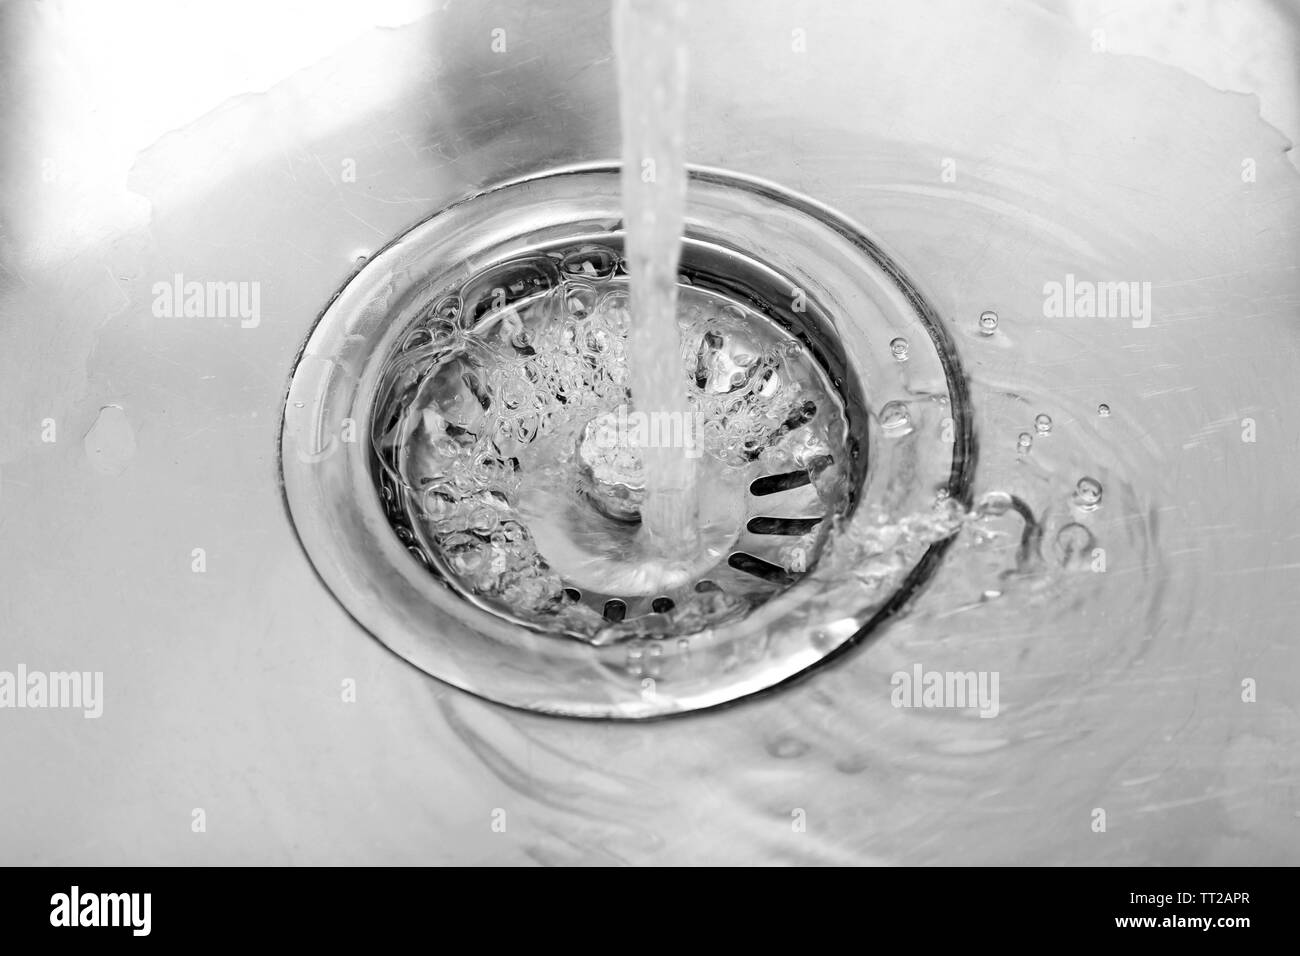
<point x="771" y="484"/>
<point x="573" y="594"/>
<point x="662" y="605"/>
<point x="759" y="568"/>
<point x="615" y="610"/>
<point x="704" y="586"/>
<point x="794" y="526"/>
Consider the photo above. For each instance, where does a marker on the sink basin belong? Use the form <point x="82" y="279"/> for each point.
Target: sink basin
<point x="145" y="533"/>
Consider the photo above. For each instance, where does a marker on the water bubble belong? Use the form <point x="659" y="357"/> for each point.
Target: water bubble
<point x="416" y="339"/>
<point x="988" y="322"/>
<point x="515" y="393"/>
<point x="1043" y="423"/>
<point x="1087" y="494"/>
<point x="993" y="504"/>
<point x="593" y="262"/>
<point x="446" y="447"/>
<point x="488" y="469"/>
<point x="615" y="309"/>
<point x="526" y="428"/>
<point x="442" y="333"/>
<point x="538" y="373"/>
<point x="731" y="314"/>
<point x="464" y="552"/>
<point x="1024" y="442"/>
<point x="519" y="340"/>
<point x="900" y="348"/>
<point x="447" y="309"/>
<point x="579" y="300"/>
<point x="1103" y="410"/>
<point x="895" y="420"/>
<point x="483" y="519"/>
<point x="1073" y="544"/>
<point x="504" y="285"/>
<point x="441" y="504"/>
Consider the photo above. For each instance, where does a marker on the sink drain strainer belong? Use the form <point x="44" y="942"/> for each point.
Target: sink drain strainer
<point x="460" y="459"/>
<point x="509" y="454"/>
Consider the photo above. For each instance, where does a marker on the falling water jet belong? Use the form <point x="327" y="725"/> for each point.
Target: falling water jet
<point x="648" y="40"/>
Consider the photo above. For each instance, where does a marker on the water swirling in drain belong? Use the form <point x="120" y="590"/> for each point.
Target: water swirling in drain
<point x="512" y="461"/>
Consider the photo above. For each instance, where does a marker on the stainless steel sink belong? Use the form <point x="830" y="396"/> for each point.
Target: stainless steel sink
<point x="143" y="531"/>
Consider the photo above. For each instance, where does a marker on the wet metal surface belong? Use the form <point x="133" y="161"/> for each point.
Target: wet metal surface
<point x="143" y="532"/>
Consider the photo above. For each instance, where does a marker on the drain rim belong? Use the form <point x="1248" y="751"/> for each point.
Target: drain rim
<point x="540" y="672"/>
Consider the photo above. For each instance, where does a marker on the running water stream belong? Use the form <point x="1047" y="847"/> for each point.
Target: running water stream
<point x="651" y="56"/>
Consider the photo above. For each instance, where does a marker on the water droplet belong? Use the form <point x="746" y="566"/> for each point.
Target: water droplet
<point x="1103" y="410"/>
<point x="988" y="322"/>
<point x="895" y="420"/>
<point x="788" y="748"/>
<point x="1024" y="443"/>
<point x="900" y="348"/>
<point x="1087" y="494"/>
<point x="1043" y="423"/>
<point x="110" y="442"/>
<point x="1073" y="544"/>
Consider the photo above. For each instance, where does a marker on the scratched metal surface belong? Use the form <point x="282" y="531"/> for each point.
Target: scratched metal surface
<point x="215" y="145"/>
